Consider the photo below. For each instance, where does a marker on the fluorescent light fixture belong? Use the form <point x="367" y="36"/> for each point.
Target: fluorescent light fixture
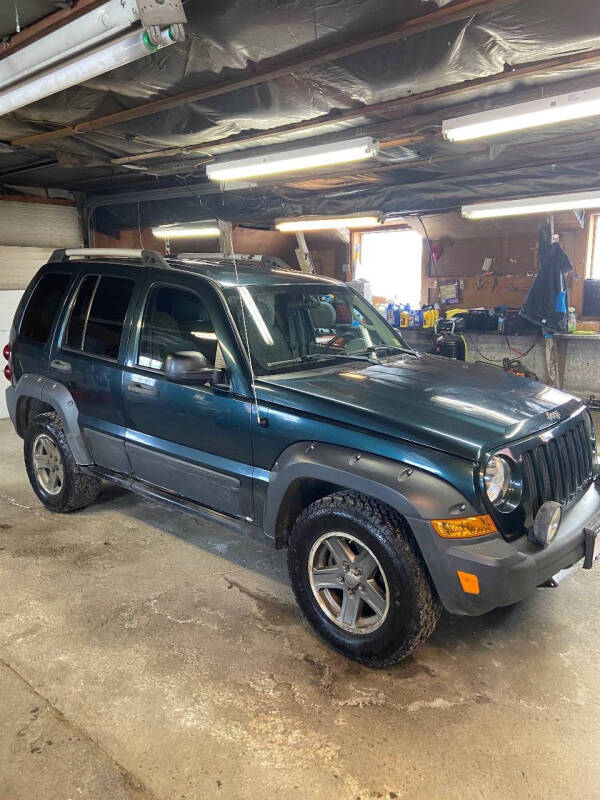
<point x="103" y="59"/>
<point x="524" y="116"/>
<point x="370" y="220"/>
<point x="324" y="155"/>
<point x="90" y="30"/>
<point x="534" y="205"/>
<point x="189" y="230"/>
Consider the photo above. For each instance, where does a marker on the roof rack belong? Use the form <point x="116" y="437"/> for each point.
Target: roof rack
<point x="149" y="258"/>
<point x="263" y="260"/>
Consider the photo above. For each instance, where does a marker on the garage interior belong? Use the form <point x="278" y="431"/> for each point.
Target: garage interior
<point x="145" y="653"/>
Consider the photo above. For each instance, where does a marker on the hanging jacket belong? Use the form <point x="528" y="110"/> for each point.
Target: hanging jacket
<point x="547" y="302"/>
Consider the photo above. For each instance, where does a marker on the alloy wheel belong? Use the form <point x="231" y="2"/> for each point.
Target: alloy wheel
<point x="48" y="464"/>
<point x="348" y="583"/>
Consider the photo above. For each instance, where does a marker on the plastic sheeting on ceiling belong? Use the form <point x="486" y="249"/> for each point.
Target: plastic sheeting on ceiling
<point x="226" y="36"/>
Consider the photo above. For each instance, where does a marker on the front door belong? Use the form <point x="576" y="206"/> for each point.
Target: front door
<point x="193" y="441"/>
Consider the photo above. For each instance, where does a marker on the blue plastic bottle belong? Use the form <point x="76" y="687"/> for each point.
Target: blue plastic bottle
<point x="389" y="313"/>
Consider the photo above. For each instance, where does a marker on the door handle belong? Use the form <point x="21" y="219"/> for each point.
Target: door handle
<point x="142" y="388"/>
<point x="63" y="366"/>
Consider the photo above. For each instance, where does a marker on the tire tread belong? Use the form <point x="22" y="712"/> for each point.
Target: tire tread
<point x="396" y="530"/>
<point x="83" y="489"/>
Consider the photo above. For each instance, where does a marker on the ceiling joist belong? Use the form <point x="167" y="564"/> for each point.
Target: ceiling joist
<point x="277" y="67"/>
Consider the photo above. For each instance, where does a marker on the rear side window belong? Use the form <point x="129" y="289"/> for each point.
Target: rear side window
<point x="97" y="319"/>
<point x="43" y="305"/>
<point x="74" y="336"/>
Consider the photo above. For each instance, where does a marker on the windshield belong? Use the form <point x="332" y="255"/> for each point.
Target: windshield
<point x="298" y="327"/>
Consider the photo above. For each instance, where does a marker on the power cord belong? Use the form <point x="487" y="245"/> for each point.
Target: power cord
<point x="432" y="260"/>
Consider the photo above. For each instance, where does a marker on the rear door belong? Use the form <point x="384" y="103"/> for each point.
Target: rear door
<point x="190" y="440"/>
<point x="88" y="359"/>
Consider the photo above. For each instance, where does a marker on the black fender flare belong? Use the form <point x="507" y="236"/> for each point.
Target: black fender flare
<point x="413" y="493"/>
<point x="57" y="396"/>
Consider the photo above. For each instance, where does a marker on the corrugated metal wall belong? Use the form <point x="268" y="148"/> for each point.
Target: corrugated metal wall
<point x="29" y="232"/>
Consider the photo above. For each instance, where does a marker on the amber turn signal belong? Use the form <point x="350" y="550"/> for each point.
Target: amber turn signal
<point x="469" y="582"/>
<point x="465" y="527"/>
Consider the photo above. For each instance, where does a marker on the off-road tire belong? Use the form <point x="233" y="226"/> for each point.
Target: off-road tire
<point x="79" y="489"/>
<point x="414" y="608"/>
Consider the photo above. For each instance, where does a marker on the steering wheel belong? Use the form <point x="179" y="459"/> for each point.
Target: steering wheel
<point x="348" y="336"/>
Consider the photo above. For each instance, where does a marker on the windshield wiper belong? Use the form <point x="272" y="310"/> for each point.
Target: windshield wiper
<point x="375" y="348"/>
<point x="328" y="356"/>
<point x="347" y="356"/>
<point x="370" y="358"/>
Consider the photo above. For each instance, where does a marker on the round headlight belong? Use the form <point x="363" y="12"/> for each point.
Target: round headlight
<point x="497" y="479"/>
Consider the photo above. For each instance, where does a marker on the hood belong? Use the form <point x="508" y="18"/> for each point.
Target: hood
<point x="463" y="409"/>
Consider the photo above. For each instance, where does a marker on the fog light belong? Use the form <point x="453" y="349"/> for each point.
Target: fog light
<point x="547" y="522"/>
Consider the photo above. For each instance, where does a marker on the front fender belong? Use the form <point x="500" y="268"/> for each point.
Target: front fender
<point x="412" y="492"/>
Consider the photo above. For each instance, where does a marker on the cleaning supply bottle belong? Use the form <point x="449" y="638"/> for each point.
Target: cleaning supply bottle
<point x="389" y="312"/>
<point x="571" y="320"/>
<point x="501" y="321"/>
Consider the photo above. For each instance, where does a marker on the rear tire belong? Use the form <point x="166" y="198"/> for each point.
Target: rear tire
<point x="360" y="580"/>
<point x="54" y="475"/>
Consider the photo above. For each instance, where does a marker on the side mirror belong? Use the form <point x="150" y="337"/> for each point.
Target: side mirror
<point x="190" y="367"/>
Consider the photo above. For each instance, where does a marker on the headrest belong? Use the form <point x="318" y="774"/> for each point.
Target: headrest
<point x="266" y="308"/>
<point x="322" y="315"/>
<point x="160" y="319"/>
<point x="188" y="310"/>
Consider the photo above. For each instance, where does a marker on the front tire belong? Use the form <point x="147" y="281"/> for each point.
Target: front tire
<point x="54" y="475"/>
<point x="360" y="580"/>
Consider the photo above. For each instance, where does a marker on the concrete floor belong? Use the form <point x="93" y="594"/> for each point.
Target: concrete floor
<point x="144" y="654"/>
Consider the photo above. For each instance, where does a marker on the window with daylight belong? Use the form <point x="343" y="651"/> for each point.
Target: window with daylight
<point x="391" y="262"/>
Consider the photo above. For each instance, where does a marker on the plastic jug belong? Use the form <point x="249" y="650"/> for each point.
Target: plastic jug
<point x="430" y="317"/>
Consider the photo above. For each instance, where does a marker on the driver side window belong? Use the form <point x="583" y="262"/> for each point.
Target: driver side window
<point x="175" y="320"/>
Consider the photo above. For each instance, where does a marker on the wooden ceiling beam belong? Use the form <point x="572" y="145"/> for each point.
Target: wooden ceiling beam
<point x="278" y="67"/>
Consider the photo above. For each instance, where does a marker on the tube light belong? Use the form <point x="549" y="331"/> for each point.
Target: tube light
<point x="534" y="205"/>
<point x="94" y="27"/>
<point x="324" y="155"/>
<point x="524" y="116"/>
<point x="204" y="229"/>
<point x="370" y="220"/>
<point x="103" y="59"/>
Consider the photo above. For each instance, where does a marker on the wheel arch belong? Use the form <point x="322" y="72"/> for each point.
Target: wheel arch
<point x="35" y="394"/>
<point x="28" y="408"/>
<point x="307" y="471"/>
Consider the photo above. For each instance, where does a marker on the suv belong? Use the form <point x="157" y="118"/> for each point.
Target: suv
<point x="283" y="404"/>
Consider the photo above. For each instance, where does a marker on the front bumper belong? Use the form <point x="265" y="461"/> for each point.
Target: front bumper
<point x="507" y="571"/>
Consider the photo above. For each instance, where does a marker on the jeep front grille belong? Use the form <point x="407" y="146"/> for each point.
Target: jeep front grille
<point x="560" y="469"/>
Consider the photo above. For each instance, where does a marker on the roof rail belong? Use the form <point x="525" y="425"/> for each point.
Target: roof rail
<point x="263" y="260"/>
<point x="149" y="258"/>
